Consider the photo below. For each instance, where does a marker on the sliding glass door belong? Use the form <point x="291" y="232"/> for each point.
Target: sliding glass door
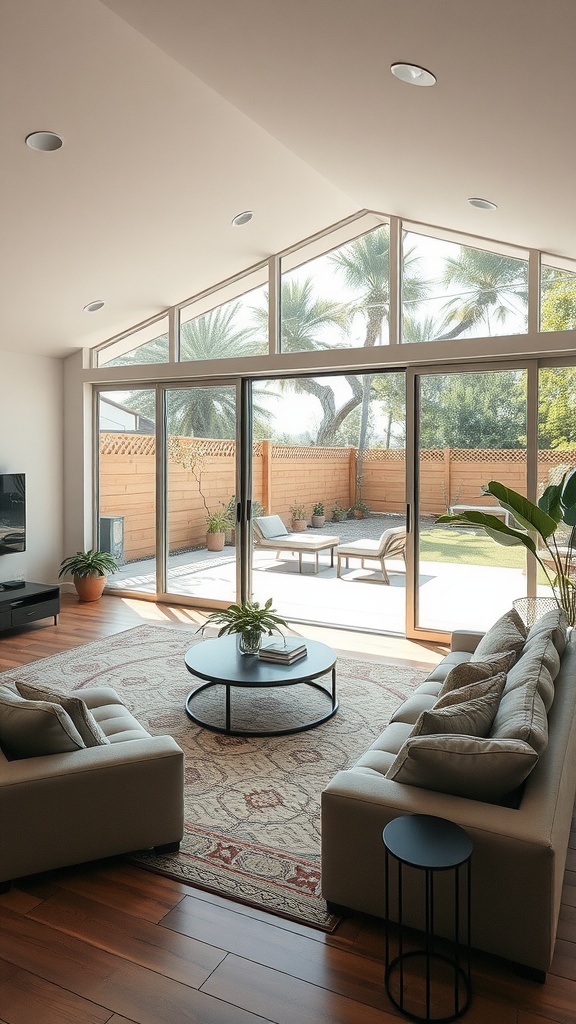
<point x="468" y="427"/>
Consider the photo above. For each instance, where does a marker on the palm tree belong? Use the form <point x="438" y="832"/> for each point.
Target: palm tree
<point x="202" y="412"/>
<point x="493" y="287"/>
<point x="365" y="264"/>
<point x="308" y="323"/>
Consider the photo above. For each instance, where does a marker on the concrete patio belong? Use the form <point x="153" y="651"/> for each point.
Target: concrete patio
<point x="451" y="595"/>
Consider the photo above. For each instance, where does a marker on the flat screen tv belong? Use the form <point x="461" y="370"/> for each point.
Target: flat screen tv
<point x="12" y="513"/>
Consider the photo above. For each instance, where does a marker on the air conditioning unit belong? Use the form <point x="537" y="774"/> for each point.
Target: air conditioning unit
<point x="112" y="536"/>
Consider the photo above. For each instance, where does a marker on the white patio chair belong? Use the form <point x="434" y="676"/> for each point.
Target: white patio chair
<point x="392" y="544"/>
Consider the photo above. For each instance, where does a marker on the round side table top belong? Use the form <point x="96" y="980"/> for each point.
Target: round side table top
<point x="425" y="841"/>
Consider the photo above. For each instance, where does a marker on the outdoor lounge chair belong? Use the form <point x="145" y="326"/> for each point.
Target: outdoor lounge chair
<point x="391" y="544"/>
<point x="270" y="532"/>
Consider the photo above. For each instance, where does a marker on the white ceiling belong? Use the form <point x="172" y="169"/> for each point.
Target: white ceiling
<point x="178" y="114"/>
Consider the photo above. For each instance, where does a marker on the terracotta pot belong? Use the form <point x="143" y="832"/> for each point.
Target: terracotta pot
<point x="299" y="525"/>
<point x="89" y="588"/>
<point x="215" y="541"/>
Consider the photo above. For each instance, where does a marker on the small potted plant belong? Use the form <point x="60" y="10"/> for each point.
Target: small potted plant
<point x="338" y="513"/>
<point x="250" y="620"/>
<point x="318" y="517"/>
<point x="89" y="571"/>
<point x="299" y="518"/>
<point x="257" y="510"/>
<point x="358" y="510"/>
<point x="216" y="525"/>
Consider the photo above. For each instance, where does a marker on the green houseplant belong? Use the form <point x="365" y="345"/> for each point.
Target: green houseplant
<point x="250" y="620"/>
<point x="299" y="518"/>
<point x="358" y="510"/>
<point x="318" y="517"/>
<point x="89" y="571"/>
<point x="556" y="505"/>
<point x="216" y="525"/>
<point x="338" y="513"/>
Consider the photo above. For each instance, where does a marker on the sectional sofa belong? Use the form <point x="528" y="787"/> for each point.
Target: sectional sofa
<point x="487" y="741"/>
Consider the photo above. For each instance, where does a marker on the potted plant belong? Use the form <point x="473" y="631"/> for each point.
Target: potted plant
<point x="89" y="571"/>
<point x="216" y="525"/>
<point x="250" y="620"/>
<point x="556" y="505"/>
<point x="358" y="510"/>
<point x="318" y="517"/>
<point x="338" y="513"/>
<point x="299" y="518"/>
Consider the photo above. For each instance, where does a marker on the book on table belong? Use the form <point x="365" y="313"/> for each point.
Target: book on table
<point x="283" y="651"/>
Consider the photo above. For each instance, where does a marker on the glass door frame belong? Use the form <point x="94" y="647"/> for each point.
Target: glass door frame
<point x="414" y="631"/>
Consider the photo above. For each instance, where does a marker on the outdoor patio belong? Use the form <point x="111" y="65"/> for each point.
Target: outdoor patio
<point x="451" y="595"/>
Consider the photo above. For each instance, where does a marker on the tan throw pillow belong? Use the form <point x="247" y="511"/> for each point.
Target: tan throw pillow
<point x="468" y="672"/>
<point x="32" y="728"/>
<point x="82" y="718"/>
<point x="493" y="684"/>
<point x="480" y="769"/>
<point x="469" y="717"/>
<point x="507" y="634"/>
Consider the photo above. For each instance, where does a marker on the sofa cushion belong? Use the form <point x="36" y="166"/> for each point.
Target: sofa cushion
<point x="469" y="672"/>
<point x="82" y="718"/>
<point x="469" y="717"/>
<point x="480" y="769"/>
<point x="484" y="686"/>
<point x="522" y="715"/>
<point x="553" y="623"/>
<point x="410" y="709"/>
<point x="271" y="526"/>
<point x="32" y="728"/>
<point x="112" y="715"/>
<point x="540" y="660"/>
<point x="507" y="634"/>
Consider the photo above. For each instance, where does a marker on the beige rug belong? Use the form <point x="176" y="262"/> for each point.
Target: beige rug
<point x="252" y="805"/>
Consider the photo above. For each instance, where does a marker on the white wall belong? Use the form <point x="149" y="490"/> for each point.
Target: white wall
<point x="31" y="442"/>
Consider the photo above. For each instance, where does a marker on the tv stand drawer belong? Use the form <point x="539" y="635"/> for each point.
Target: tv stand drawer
<point x="28" y="604"/>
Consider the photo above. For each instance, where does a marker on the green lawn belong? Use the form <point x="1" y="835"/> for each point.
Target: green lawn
<point x="469" y="547"/>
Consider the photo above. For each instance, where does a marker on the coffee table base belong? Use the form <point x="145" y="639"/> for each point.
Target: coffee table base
<point x="229" y="731"/>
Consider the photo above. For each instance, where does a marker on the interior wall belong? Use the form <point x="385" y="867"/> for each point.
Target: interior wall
<point x="31" y="433"/>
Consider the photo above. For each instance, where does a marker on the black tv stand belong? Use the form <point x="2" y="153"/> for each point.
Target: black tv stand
<point x="27" y="603"/>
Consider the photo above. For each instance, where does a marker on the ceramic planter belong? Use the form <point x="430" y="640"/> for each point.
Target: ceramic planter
<point x="299" y="525"/>
<point x="215" y="541"/>
<point x="318" y="521"/>
<point x="89" y="588"/>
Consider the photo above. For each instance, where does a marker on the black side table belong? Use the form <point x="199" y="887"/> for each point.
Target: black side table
<point x="429" y="844"/>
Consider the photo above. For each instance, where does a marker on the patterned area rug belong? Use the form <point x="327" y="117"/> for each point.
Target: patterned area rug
<point x="252" y="805"/>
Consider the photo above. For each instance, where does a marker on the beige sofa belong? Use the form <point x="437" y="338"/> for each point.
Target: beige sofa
<point x="520" y="832"/>
<point x="121" y="794"/>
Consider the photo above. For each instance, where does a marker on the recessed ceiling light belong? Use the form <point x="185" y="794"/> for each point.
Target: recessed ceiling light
<point x="482" y="204"/>
<point x="242" y="218"/>
<point x="413" y="74"/>
<point x="93" y="307"/>
<point x="46" y="142"/>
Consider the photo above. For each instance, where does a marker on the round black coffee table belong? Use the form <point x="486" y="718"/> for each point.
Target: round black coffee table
<point x="221" y="663"/>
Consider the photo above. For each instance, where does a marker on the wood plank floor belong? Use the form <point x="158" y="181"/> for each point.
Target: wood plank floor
<point x="109" y="942"/>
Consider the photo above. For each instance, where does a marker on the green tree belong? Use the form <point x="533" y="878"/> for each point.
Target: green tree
<point x="493" y="287"/>
<point x="473" y="410"/>
<point x="558" y="311"/>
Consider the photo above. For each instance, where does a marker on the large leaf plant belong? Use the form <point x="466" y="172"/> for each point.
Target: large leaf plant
<point x="536" y="531"/>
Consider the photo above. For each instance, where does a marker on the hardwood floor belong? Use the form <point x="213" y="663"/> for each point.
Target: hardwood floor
<point x="109" y="942"/>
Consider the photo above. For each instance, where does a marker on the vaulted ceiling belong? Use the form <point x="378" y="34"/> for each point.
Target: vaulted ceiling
<point x="178" y="114"/>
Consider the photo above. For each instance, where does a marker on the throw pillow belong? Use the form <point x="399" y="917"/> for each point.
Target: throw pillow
<point x="82" y="718"/>
<point x="493" y="684"/>
<point x="507" y="634"/>
<point x="468" y="672"/>
<point x="469" y="717"/>
<point x="31" y="728"/>
<point x="480" y="769"/>
<point x="270" y="527"/>
<point x="554" y="624"/>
